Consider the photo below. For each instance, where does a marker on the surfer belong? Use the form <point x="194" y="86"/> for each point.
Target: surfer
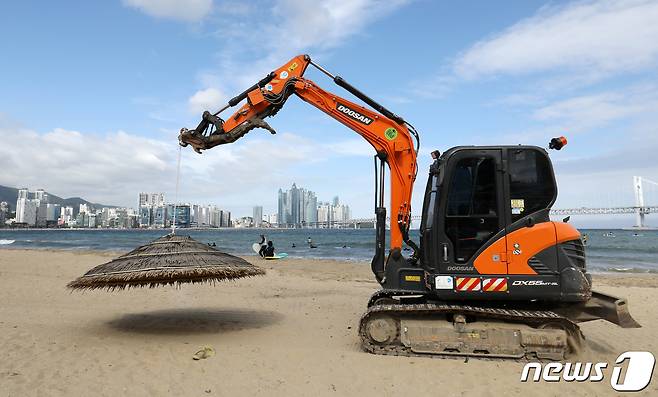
<point x="310" y="243"/>
<point x="269" y="250"/>
<point x="263" y="246"/>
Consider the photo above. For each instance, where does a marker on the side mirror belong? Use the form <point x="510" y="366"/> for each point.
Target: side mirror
<point x="565" y="220"/>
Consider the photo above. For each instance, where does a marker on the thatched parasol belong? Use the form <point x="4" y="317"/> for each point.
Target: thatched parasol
<point x="168" y="260"/>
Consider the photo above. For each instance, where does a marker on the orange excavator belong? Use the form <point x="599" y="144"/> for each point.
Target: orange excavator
<point x="492" y="276"/>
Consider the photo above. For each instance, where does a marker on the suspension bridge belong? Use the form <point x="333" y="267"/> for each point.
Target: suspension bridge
<point x="640" y="209"/>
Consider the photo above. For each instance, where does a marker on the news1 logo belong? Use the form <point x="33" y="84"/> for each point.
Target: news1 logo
<point x="638" y="371"/>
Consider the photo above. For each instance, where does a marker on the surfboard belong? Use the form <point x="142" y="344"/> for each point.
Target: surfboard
<point x="255" y="247"/>
<point x="277" y="256"/>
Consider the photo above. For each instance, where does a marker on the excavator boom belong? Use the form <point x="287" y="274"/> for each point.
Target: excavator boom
<point x="391" y="137"/>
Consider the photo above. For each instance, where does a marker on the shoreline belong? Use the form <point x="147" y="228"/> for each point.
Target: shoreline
<point x="649" y="280"/>
<point x="360" y="262"/>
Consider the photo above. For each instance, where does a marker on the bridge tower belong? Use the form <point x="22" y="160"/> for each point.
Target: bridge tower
<point x="639" y="202"/>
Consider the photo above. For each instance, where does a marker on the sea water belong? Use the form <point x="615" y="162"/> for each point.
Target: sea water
<point x="607" y="250"/>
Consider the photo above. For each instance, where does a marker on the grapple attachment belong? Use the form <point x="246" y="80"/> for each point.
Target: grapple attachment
<point x="210" y="132"/>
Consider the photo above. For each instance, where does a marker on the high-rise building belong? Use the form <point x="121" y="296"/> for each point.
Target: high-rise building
<point x="330" y="215"/>
<point x="145" y="216"/>
<point x="226" y="219"/>
<point x="41" y="195"/>
<point x="4" y="213"/>
<point x="26" y="209"/>
<point x="143" y="199"/>
<point x="297" y="207"/>
<point x="157" y="199"/>
<point x="151" y="199"/>
<point x="342" y="213"/>
<point x="159" y="216"/>
<point x="258" y="215"/>
<point x="310" y="205"/>
<point x="53" y="212"/>
<point x="66" y="216"/>
<point x="325" y="214"/>
<point x="215" y="217"/>
<point x="21" y="203"/>
<point x="283" y="210"/>
<point x="271" y="219"/>
<point x="93" y="220"/>
<point x="151" y="205"/>
<point x="42" y="213"/>
<point x="181" y="215"/>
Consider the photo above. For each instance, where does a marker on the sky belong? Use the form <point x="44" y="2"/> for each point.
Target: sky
<point x="93" y="94"/>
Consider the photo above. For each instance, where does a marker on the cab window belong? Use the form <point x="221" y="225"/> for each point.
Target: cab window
<point x="532" y="187"/>
<point x="472" y="208"/>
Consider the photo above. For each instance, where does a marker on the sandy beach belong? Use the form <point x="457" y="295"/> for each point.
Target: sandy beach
<point x="291" y="332"/>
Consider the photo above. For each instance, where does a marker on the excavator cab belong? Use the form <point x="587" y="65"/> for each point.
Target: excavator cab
<point x="486" y="229"/>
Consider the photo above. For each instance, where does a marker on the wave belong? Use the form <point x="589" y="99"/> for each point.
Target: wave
<point x="631" y="270"/>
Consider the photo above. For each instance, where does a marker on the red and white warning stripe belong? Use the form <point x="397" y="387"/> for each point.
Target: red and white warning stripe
<point x="467" y="284"/>
<point x="498" y="284"/>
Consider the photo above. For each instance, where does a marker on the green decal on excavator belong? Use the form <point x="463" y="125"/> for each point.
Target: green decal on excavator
<point x="391" y="133"/>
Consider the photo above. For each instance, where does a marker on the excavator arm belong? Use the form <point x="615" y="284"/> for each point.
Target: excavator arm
<point x="391" y="137"/>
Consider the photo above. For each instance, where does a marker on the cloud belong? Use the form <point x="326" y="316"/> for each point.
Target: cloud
<point x="208" y="99"/>
<point x="112" y="168"/>
<point x="187" y="11"/>
<point x="595" y="36"/>
<point x="325" y="24"/>
<point x="583" y="113"/>
<point x="251" y="48"/>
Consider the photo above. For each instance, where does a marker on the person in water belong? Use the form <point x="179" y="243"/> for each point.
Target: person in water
<point x="269" y="250"/>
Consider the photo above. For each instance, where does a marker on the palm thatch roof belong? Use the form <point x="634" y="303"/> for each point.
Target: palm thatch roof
<point x="169" y="260"/>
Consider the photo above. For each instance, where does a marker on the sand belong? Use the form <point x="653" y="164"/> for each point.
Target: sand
<point x="292" y="332"/>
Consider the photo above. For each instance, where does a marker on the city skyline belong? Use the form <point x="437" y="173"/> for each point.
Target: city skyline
<point x="298" y="207"/>
<point x="36" y="205"/>
<point x="145" y="198"/>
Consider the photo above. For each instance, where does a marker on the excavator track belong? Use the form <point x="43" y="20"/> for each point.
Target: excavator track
<point x="538" y="334"/>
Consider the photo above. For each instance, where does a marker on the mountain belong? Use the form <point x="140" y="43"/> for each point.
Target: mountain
<point x="10" y="195"/>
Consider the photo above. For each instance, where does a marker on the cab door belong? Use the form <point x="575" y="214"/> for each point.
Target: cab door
<point x="474" y="212"/>
<point x="531" y="191"/>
